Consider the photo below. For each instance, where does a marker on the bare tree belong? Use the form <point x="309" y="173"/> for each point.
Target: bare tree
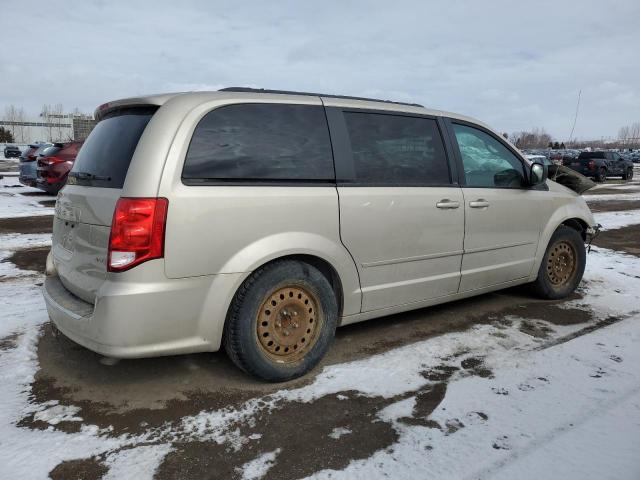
<point x="629" y="136"/>
<point x="46" y="115"/>
<point x="58" y="115"/>
<point x="11" y="117"/>
<point x="536" y="138"/>
<point x="22" y="130"/>
<point x="635" y="135"/>
<point x="624" y="135"/>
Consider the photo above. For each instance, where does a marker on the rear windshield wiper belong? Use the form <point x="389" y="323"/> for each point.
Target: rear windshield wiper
<point x="89" y="176"/>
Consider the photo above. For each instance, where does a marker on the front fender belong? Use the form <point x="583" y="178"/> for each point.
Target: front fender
<point x="565" y="209"/>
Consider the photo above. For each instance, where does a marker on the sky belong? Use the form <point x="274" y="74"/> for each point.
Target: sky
<point x="513" y="65"/>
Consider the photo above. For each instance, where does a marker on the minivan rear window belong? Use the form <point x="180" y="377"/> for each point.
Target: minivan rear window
<point x="260" y="143"/>
<point x="103" y="160"/>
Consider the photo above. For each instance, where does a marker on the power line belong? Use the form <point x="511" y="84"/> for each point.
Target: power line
<point x="575" y="118"/>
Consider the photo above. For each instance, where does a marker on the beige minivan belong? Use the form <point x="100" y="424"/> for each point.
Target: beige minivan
<point x="262" y="220"/>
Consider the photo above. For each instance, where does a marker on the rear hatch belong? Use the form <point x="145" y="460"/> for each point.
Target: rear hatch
<point x="85" y="206"/>
<point x="42" y="163"/>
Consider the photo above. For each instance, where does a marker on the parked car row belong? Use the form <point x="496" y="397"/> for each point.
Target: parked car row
<point x="633" y="156"/>
<point x="47" y="165"/>
<point x="598" y="165"/>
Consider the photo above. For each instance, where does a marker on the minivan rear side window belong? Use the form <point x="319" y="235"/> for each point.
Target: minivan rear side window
<point x="103" y="160"/>
<point x="260" y="142"/>
<point x="396" y="150"/>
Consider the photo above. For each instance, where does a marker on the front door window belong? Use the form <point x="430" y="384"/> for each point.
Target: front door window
<point x="487" y="162"/>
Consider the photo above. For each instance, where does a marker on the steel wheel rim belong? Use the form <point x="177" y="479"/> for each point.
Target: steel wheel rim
<point x="561" y="263"/>
<point x="289" y="323"/>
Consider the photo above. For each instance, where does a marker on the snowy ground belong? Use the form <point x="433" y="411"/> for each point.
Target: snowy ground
<point x="16" y="200"/>
<point x="523" y="389"/>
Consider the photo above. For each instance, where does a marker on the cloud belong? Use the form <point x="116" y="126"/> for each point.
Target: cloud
<point x="514" y="66"/>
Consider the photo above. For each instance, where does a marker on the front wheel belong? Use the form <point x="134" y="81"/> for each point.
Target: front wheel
<point x="562" y="266"/>
<point x="282" y="321"/>
<point x="628" y="175"/>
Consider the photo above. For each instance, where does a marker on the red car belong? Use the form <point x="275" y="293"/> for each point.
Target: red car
<point x="54" y="164"/>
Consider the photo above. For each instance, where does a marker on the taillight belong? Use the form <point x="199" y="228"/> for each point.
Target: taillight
<point x="592" y="164"/>
<point x="52" y="159"/>
<point x="137" y="232"/>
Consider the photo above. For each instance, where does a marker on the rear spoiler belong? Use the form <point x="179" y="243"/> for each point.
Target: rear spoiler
<point x="136" y="102"/>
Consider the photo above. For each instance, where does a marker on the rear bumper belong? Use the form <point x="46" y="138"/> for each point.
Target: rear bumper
<point x="52" y="188"/>
<point x="28" y="174"/>
<point x="144" y="319"/>
<point x="27" y="181"/>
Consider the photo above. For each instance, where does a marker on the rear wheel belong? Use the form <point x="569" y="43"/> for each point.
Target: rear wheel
<point x="601" y="176"/>
<point x="562" y="266"/>
<point x="628" y="175"/>
<point x="281" y="321"/>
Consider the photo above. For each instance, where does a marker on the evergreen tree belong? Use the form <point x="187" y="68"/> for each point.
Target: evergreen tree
<point x="5" y="136"/>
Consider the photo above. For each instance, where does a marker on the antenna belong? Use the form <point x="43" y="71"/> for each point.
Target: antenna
<point x="576" y="117"/>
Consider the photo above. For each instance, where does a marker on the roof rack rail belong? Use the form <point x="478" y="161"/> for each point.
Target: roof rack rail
<point x="287" y="92"/>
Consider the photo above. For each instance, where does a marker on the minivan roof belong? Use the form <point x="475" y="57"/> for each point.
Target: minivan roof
<point x="324" y="95"/>
<point x="191" y="99"/>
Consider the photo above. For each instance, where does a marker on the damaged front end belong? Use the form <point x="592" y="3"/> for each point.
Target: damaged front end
<point x="591" y="234"/>
<point x="570" y="179"/>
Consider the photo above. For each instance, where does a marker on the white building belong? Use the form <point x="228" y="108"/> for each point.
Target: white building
<point x="53" y="128"/>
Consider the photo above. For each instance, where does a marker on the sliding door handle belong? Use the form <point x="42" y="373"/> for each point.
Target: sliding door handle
<point x="480" y="203"/>
<point x="445" y="203"/>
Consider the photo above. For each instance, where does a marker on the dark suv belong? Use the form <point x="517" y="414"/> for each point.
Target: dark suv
<point x="11" y="151"/>
<point x="601" y="165"/>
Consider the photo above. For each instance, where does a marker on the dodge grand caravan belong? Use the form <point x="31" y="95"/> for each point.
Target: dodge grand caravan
<point x="259" y="221"/>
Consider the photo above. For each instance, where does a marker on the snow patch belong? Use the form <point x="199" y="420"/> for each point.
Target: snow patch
<point x="613" y="220"/>
<point x="338" y="432"/>
<point x="258" y="467"/>
<point x="14" y="204"/>
<point x="58" y="413"/>
<point x="140" y="463"/>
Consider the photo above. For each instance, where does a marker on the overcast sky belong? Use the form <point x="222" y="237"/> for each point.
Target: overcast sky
<point x="514" y="65"/>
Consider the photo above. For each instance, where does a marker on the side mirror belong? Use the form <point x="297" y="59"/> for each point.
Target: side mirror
<point x="537" y="174"/>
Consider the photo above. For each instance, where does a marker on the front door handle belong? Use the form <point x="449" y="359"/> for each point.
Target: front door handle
<point x="480" y="203"/>
<point x="445" y="203"/>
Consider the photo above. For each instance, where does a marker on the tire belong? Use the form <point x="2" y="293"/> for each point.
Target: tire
<point x="601" y="176"/>
<point x="628" y="175"/>
<point x="562" y="266"/>
<point x="282" y="321"/>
